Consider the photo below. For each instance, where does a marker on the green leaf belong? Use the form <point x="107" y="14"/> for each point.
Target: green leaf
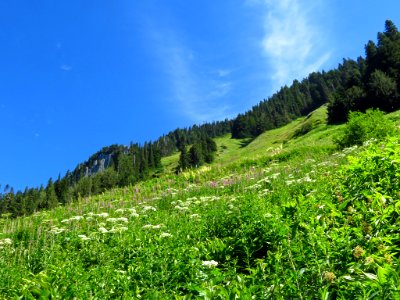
<point x="382" y="273"/>
<point x="371" y="276"/>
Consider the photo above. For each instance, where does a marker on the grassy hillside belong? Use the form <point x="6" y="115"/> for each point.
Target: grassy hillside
<point x="283" y="216"/>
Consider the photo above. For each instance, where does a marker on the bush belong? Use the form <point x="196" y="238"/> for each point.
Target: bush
<point x="362" y="127"/>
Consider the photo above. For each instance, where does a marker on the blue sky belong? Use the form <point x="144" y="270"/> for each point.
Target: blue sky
<point x="79" y="75"/>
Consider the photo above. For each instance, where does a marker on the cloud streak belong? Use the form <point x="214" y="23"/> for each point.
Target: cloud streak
<point x="65" y="67"/>
<point x="197" y="92"/>
<point x="291" y="43"/>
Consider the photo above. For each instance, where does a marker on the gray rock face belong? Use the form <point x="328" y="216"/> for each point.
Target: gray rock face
<point x="99" y="165"/>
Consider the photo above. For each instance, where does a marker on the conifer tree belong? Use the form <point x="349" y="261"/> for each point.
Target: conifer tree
<point x="196" y="158"/>
<point x="51" y="196"/>
<point x="183" y="163"/>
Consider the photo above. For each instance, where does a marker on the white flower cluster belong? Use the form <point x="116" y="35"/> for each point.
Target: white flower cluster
<point x="116" y="220"/>
<point x="149" y="226"/>
<point x="209" y="263"/>
<point x="75" y="218"/>
<point x="83" y="237"/>
<point x="306" y="178"/>
<point x="56" y="230"/>
<point x="165" y="235"/>
<point x="5" y="242"/>
<point x="118" y="229"/>
<point x="149" y="208"/>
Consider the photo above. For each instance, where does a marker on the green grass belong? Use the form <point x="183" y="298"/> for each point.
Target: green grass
<point x="284" y="216"/>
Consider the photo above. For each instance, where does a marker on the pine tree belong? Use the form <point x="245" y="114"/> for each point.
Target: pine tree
<point x="196" y="158"/>
<point x="183" y="163"/>
<point x="51" y="196"/>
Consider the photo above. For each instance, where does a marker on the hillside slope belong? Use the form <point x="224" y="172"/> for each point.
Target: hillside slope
<point x="282" y="216"/>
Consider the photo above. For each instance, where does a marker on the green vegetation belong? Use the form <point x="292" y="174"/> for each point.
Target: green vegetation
<point x="283" y="216"/>
<point x="201" y="152"/>
<point x="356" y="85"/>
<point x="362" y="127"/>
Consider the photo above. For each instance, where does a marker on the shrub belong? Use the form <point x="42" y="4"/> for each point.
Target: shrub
<point x="362" y="127"/>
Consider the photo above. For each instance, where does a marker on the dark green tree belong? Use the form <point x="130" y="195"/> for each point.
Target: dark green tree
<point x="51" y="196"/>
<point x="183" y="163"/>
<point x="196" y="158"/>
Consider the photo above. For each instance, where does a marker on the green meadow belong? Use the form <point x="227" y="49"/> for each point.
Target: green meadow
<point x="286" y="215"/>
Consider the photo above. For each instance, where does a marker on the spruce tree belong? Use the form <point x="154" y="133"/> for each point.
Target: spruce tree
<point x="183" y="163"/>
<point x="196" y="158"/>
<point x="51" y="196"/>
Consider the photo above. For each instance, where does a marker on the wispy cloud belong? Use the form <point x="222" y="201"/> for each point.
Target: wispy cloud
<point x="197" y="92"/>
<point x="224" y="72"/>
<point x="65" y="67"/>
<point x="291" y="42"/>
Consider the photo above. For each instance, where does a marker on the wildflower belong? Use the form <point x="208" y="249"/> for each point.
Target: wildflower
<point x="135" y="215"/>
<point x="118" y="229"/>
<point x="6" y="241"/>
<point x="147" y="226"/>
<point x="308" y="179"/>
<point x="181" y="208"/>
<point x="209" y="263"/>
<point x="194" y="216"/>
<point x="148" y="207"/>
<point x="83" y="237"/>
<point x="114" y="220"/>
<point x="103" y="230"/>
<point x="56" y="230"/>
<point x="119" y="210"/>
<point x="103" y="215"/>
<point x="329" y="276"/>
<point x="358" y="252"/>
<point x="165" y="234"/>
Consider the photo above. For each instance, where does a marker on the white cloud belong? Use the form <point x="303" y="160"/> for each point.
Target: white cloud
<point x="224" y="72"/>
<point x="194" y="94"/>
<point x="66" y="67"/>
<point x="291" y="42"/>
